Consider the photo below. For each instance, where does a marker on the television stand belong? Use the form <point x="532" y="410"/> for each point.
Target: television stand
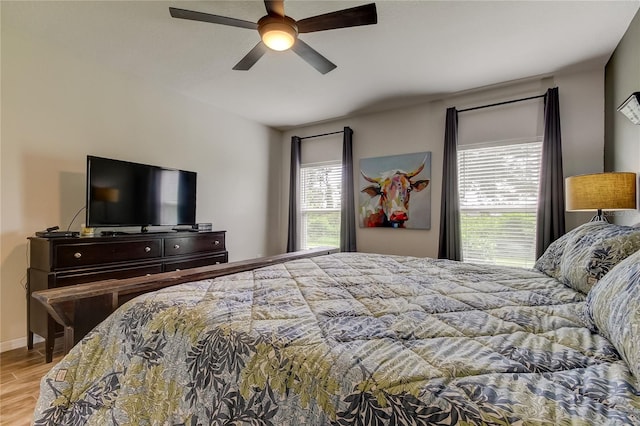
<point x="65" y="261"/>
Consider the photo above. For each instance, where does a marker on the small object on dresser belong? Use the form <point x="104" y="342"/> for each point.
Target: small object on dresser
<point x="86" y="232"/>
<point x="183" y="229"/>
<point x="54" y="233"/>
<point x="203" y="226"/>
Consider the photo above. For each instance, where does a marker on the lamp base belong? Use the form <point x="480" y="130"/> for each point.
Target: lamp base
<point x="600" y="217"/>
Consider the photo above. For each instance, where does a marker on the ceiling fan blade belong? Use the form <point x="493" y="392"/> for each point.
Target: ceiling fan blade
<point x="214" y="19"/>
<point x="274" y="7"/>
<point x="353" y="17"/>
<point x="312" y="57"/>
<point x="251" y="58"/>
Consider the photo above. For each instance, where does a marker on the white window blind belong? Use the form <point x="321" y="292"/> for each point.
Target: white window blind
<point x="320" y="192"/>
<point x="498" y="202"/>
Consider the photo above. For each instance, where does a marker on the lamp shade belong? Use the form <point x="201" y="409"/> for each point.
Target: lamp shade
<point x="601" y="191"/>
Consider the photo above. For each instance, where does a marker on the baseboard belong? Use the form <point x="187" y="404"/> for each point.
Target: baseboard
<point x="21" y="342"/>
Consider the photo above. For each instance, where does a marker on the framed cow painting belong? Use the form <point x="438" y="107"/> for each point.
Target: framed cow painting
<point x="395" y="191"/>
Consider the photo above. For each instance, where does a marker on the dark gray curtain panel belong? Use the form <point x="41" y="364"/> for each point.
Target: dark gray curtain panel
<point x="450" y="246"/>
<point x="550" y="225"/>
<point x="292" y="239"/>
<point x="347" y="211"/>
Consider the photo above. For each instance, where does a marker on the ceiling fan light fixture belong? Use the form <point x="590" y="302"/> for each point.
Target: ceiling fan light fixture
<point x="278" y="33"/>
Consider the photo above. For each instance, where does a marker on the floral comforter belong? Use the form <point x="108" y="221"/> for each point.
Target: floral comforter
<point x="345" y="339"/>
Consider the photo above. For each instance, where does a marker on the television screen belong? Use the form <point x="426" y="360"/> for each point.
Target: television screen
<point x="122" y="193"/>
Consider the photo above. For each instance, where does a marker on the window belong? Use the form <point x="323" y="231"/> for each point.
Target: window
<point x="498" y="202"/>
<point x="320" y="192"/>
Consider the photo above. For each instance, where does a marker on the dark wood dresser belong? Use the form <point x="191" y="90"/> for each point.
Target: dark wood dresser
<point x="58" y="262"/>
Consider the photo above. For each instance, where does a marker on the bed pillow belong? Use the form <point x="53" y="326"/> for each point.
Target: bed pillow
<point x="592" y="250"/>
<point x="549" y="262"/>
<point x="613" y="307"/>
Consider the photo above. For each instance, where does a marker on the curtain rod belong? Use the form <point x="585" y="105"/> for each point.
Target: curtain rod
<point x="324" y="134"/>
<point x="502" y="103"/>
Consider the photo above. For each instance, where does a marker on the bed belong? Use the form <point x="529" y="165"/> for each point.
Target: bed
<point x="370" y="339"/>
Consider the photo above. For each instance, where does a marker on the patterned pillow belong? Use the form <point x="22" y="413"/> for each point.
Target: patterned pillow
<point x="592" y="250"/>
<point x="549" y="262"/>
<point x="613" y="306"/>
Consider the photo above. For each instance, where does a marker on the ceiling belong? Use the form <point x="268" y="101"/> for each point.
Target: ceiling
<point x="418" y="50"/>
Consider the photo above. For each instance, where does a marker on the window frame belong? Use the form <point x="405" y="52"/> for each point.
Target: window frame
<point x="517" y="214"/>
<point x="303" y="211"/>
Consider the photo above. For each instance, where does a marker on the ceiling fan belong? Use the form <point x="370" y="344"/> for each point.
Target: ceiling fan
<point x="280" y="32"/>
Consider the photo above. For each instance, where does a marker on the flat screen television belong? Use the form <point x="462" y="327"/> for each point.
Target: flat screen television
<point x="122" y="193"/>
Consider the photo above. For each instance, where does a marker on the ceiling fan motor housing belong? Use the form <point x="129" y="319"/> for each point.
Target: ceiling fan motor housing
<point x="278" y="32"/>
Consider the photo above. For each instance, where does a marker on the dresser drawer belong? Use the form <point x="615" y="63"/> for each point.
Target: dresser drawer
<point x="139" y="271"/>
<point x="194" y="244"/>
<point x="77" y="255"/>
<point x="194" y="263"/>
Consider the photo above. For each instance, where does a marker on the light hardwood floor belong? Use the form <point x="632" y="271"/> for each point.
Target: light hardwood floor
<point x="20" y="374"/>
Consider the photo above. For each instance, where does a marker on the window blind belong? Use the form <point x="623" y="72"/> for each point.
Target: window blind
<point x="320" y="192"/>
<point x="498" y="201"/>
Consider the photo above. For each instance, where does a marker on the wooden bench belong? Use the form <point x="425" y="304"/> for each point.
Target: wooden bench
<point x="79" y="308"/>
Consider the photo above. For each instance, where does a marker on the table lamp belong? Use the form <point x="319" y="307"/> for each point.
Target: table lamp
<point x="601" y="191"/>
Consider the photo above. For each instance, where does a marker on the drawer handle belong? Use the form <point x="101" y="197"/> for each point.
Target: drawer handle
<point x="216" y="242"/>
<point x="176" y="246"/>
<point x="77" y="255"/>
<point x="147" y="249"/>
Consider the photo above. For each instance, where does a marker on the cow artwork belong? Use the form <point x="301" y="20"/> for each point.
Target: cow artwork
<point x="384" y="200"/>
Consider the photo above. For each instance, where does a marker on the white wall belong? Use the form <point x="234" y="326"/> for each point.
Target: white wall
<point x="421" y="128"/>
<point x="57" y="109"/>
<point x="622" y="136"/>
